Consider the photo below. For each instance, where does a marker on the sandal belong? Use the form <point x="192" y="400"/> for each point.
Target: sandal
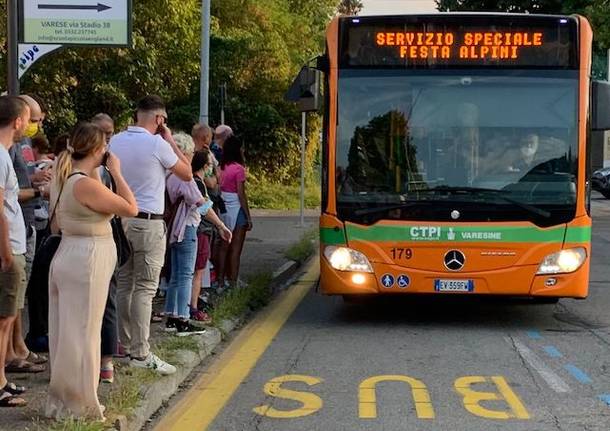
<point x="13" y="389"/>
<point x="9" y="400"/>
<point x="36" y="358"/>
<point x="24" y="367"/>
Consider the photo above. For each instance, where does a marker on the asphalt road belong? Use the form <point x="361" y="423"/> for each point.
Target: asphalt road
<point x="436" y="363"/>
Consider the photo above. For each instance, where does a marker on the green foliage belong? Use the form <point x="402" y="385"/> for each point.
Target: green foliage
<point x="270" y="195"/>
<point x="350" y="7"/>
<point x="257" y="47"/>
<point x="597" y="12"/>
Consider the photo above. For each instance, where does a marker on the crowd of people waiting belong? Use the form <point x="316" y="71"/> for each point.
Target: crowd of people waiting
<point x="96" y="226"/>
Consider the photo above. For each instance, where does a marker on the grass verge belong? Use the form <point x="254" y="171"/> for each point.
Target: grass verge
<point x="306" y="246"/>
<point x="238" y="301"/>
<point x="69" y="424"/>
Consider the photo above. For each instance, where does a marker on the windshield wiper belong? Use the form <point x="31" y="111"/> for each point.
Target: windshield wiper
<point x="498" y="193"/>
<point x="375" y="210"/>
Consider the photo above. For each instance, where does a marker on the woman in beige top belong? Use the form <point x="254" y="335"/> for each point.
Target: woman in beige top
<point x="81" y="270"/>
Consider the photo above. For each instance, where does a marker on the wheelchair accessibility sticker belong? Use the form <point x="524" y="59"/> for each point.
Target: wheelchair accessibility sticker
<point x="403" y="281"/>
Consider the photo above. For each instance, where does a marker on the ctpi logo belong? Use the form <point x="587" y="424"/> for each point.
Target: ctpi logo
<point x="426" y="233"/>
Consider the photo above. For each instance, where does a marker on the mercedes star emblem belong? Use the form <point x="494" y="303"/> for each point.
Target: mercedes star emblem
<point x="455" y="214"/>
<point x="454" y="260"/>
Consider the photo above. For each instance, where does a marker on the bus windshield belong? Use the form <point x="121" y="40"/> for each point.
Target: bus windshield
<point x="498" y="145"/>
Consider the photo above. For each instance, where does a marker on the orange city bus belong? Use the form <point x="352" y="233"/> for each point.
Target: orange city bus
<point x="455" y="156"/>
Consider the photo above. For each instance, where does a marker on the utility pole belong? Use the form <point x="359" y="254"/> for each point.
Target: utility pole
<point x="223" y="98"/>
<point x="13" y="46"/>
<point x="204" y="91"/>
<point x="303" y="140"/>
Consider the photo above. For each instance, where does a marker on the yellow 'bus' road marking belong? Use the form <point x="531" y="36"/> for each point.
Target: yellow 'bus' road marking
<point x="200" y="406"/>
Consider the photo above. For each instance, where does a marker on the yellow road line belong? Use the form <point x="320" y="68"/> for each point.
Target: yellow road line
<point x="200" y="406"/>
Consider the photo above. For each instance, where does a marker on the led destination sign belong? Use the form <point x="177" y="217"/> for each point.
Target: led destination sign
<point x="505" y="41"/>
<point x="500" y="46"/>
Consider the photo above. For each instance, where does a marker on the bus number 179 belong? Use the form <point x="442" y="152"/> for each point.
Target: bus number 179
<point x="401" y="253"/>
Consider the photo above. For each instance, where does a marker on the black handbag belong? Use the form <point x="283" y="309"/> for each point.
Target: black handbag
<point x="124" y="249"/>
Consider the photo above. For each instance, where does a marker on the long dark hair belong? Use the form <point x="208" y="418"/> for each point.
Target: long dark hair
<point x="231" y="152"/>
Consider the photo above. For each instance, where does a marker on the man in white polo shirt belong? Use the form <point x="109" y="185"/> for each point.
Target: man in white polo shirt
<point x="147" y="151"/>
<point x="14" y="117"/>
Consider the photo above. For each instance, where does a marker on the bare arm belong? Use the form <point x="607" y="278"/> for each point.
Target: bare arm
<point x="26" y="195"/>
<point x="182" y="169"/>
<point x="97" y="197"/>
<point x="243" y="202"/>
<point x="225" y="233"/>
<point x="6" y="253"/>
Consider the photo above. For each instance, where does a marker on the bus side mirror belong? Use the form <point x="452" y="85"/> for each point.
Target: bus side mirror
<point x="305" y="90"/>
<point x="600" y="105"/>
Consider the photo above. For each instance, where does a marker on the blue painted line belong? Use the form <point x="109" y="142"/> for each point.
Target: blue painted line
<point x="552" y="352"/>
<point x="534" y="334"/>
<point x="578" y="374"/>
<point x="605" y="398"/>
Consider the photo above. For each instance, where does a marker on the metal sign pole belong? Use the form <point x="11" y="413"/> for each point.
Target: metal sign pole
<point x="303" y="138"/>
<point x="205" y="63"/>
<point x="13" y="46"/>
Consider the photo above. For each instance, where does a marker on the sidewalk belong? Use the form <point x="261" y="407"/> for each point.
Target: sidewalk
<point x="274" y="232"/>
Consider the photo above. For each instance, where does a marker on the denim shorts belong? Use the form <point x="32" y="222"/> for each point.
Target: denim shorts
<point x="242" y="220"/>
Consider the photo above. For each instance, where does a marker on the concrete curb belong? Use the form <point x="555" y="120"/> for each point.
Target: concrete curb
<point x="158" y="393"/>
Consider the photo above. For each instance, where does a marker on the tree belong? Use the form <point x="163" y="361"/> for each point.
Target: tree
<point x="597" y="12"/>
<point x="350" y="7"/>
<point x="257" y="47"/>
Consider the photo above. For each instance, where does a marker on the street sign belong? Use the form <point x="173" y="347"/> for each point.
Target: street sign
<point x="76" y="22"/>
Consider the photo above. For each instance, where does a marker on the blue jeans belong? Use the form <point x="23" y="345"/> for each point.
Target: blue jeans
<point x="183" y="255"/>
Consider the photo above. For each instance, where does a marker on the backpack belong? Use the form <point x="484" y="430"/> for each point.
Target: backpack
<point x="205" y="227"/>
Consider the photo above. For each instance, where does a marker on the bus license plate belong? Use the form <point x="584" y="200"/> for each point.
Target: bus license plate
<point x="453" y="285"/>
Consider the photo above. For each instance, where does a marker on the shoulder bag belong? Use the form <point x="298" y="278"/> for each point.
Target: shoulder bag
<point x="124" y="249"/>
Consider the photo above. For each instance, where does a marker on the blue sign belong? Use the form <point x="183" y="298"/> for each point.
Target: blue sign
<point x="387" y="280"/>
<point x="403" y="281"/>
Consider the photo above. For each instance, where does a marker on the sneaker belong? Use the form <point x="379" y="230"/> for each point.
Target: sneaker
<point x="200" y="316"/>
<point x="153" y="362"/>
<point x="184" y="329"/>
<point x="107" y="374"/>
<point x="170" y="324"/>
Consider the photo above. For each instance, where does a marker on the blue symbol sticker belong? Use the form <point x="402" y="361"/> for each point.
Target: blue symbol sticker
<point x="387" y="280"/>
<point x="403" y="281"/>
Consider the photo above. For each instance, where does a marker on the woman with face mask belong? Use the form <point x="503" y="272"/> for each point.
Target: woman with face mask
<point x="204" y="176"/>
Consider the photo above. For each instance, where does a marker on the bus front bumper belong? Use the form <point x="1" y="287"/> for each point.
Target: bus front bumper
<point x="512" y="281"/>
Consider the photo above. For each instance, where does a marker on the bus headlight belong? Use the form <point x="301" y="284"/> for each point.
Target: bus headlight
<point x="346" y="259"/>
<point x="564" y="261"/>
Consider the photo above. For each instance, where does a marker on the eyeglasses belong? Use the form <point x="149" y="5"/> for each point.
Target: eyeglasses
<point x="162" y="116"/>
